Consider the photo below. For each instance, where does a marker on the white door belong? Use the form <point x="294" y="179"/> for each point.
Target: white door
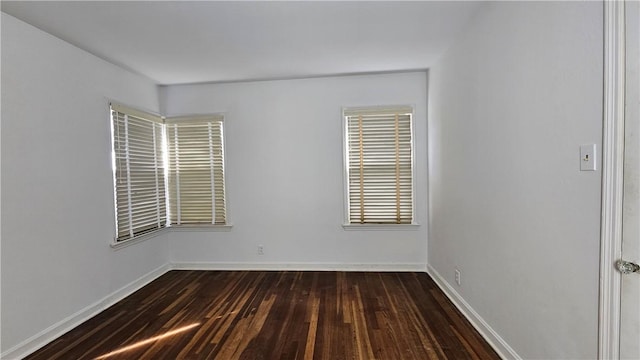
<point x="630" y="297"/>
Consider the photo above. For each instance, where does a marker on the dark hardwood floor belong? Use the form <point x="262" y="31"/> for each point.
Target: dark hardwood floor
<point x="277" y="315"/>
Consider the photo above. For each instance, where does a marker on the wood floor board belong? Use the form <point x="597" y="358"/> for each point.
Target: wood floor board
<point x="254" y="315"/>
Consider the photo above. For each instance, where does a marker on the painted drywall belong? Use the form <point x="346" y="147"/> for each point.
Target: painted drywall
<point x="510" y="103"/>
<point x="284" y="174"/>
<point x="57" y="200"/>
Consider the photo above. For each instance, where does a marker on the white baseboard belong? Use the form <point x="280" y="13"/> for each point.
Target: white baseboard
<point x="61" y="327"/>
<point x="496" y="341"/>
<point x="276" y="266"/>
<point x="44" y="337"/>
<point x="56" y="330"/>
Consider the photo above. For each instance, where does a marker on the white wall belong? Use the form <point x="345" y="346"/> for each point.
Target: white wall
<point x="510" y="104"/>
<point x="57" y="197"/>
<point x="284" y="172"/>
<point x="57" y="202"/>
<point x="630" y="308"/>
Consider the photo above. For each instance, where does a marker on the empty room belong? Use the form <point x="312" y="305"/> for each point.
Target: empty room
<point x="319" y="180"/>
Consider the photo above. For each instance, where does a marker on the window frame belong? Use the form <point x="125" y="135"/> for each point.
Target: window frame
<point x="152" y="118"/>
<point x="116" y="243"/>
<point x="198" y="118"/>
<point x="347" y="224"/>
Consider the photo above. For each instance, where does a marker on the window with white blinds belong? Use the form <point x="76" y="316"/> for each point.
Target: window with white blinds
<point x="196" y="170"/>
<point x="379" y="165"/>
<point x="138" y="172"/>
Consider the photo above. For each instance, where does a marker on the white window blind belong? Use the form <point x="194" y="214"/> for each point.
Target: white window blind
<point x="379" y="165"/>
<point x="138" y="172"/>
<point x="196" y="170"/>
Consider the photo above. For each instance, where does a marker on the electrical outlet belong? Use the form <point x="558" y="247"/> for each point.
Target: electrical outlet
<point x="260" y="250"/>
<point x="458" y="277"/>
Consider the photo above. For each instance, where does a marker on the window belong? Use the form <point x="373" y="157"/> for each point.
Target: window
<point x="196" y="170"/>
<point x="138" y="172"/>
<point x="167" y="172"/>
<point x="379" y="165"/>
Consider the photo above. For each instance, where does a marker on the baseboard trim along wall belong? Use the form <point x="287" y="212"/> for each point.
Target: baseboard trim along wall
<point x="496" y="341"/>
<point x="58" y="329"/>
<point x="277" y="266"/>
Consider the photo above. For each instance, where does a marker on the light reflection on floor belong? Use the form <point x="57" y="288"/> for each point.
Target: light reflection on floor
<point x="148" y="341"/>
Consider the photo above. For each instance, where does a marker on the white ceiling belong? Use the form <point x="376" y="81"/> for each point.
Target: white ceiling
<point x="175" y="42"/>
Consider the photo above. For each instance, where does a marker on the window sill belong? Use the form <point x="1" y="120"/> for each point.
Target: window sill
<point x="117" y="245"/>
<point x="382" y="227"/>
<point x="204" y="227"/>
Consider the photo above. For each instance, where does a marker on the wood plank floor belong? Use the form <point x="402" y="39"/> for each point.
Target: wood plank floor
<point x="277" y="315"/>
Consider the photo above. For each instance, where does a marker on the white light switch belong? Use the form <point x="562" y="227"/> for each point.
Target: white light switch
<point x="588" y="157"/>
